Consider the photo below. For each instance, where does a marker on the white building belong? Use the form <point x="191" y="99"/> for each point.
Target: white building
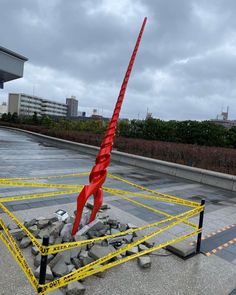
<point x="52" y="108"/>
<point x="27" y="105"/>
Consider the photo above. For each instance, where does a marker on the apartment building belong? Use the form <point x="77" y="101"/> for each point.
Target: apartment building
<point x="27" y="105"/>
<point x="52" y="108"/>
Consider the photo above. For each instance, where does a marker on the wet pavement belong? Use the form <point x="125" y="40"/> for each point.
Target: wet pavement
<point x="22" y="155"/>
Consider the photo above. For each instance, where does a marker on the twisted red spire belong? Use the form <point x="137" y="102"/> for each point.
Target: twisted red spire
<point x="99" y="172"/>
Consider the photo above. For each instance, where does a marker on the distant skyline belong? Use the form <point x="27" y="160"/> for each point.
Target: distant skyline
<point x="185" y="67"/>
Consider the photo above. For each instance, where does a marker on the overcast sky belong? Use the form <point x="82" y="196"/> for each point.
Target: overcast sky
<point x="185" y="67"/>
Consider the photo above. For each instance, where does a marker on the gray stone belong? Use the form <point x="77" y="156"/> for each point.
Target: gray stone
<point x="102" y="216"/>
<point x="78" y="238"/>
<point x="66" y="229"/>
<point x="104" y="207"/>
<point x="34" y="251"/>
<point x="60" y="269"/>
<point x="30" y="222"/>
<point x="70" y="219"/>
<point x="85" y="217"/>
<point x="116" y="241"/>
<point x="144" y="261"/>
<point x="132" y="251"/>
<point x="86" y="260"/>
<point x="148" y="244"/>
<point x="75" y="288"/>
<point x="142" y="247"/>
<point x="66" y="256"/>
<point x="112" y="222"/>
<point x="97" y="251"/>
<point x="128" y="238"/>
<point x="83" y="254"/>
<point x="43" y="232"/>
<point x="43" y="223"/>
<point x="182" y="249"/>
<point x="100" y="274"/>
<point x="51" y="240"/>
<point x="56" y="229"/>
<point x="34" y="230"/>
<point x="89" y="205"/>
<point x="25" y="242"/>
<point x="49" y="275"/>
<point x="71" y="267"/>
<point x="119" y="256"/>
<point x="55" y="260"/>
<point x="130" y="225"/>
<point x="37" y="259"/>
<point x="58" y="240"/>
<point x="11" y="226"/>
<point x="100" y="243"/>
<point x="114" y="231"/>
<point x="76" y="262"/>
<point x="18" y="234"/>
<point x="95" y="225"/>
<point x="67" y="237"/>
<point x="83" y="230"/>
<point x="96" y="233"/>
<point x="52" y="219"/>
<point x="74" y="253"/>
<point x="122" y="226"/>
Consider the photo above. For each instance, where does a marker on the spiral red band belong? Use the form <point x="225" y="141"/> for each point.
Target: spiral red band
<point x="99" y="172"/>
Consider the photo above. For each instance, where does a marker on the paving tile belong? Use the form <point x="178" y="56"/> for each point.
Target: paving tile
<point x="226" y="255"/>
<point x="20" y="207"/>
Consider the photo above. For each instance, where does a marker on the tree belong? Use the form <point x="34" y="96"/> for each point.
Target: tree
<point x="4" y="117"/>
<point x="35" y="119"/>
<point x="231" y="137"/>
<point x="47" y="122"/>
<point x="14" y="118"/>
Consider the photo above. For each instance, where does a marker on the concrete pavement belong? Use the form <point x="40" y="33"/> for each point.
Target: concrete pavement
<point x="25" y="156"/>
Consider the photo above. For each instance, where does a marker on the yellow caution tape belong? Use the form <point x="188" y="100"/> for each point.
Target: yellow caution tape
<point x="163" y="199"/>
<point x="74" y="276"/>
<point x="155" y="210"/>
<point x="39" y="184"/>
<point x="106" y="189"/>
<point x="146" y="189"/>
<point x="39" y="195"/>
<point x="46" y="177"/>
<point x="89" y="268"/>
<point x="17" y="254"/>
<point x="65" y="246"/>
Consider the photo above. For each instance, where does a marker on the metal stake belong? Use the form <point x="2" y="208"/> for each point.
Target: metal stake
<point x="199" y="236"/>
<point x="43" y="264"/>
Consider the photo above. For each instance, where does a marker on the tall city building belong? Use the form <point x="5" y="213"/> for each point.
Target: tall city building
<point x="27" y="105"/>
<point x="72" y="106"/>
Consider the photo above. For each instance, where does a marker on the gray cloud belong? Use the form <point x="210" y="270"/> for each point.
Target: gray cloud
<point x="185" y="68"/>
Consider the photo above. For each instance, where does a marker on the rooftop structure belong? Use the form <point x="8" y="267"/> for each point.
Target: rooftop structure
<point x="223" y="119"/>
<point x="11" y="65"/>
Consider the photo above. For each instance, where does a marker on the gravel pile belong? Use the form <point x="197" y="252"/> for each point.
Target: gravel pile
<point x="67" y="261"/>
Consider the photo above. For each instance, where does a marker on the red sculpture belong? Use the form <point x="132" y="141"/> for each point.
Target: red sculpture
<point x="99" y="172"/>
